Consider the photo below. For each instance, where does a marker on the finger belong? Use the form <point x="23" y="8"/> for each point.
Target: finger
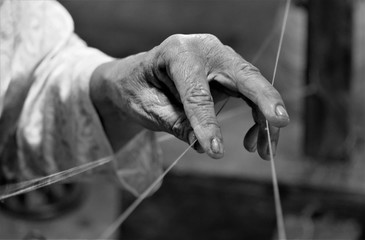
<point x="196" y="146"/>
<point x="173" y="120"/>
<point x="156" y="111"/>
<point x="248" y="81"/>
<point x="190" y="80"/>
<point x="262" y="141"/>
<point x="162" y="114"/>
<point x="254" y="86"/>
<point x="178" y="125"/>
<point x="250" y="140"/>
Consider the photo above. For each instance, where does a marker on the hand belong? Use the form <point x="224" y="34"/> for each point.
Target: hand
<point x="173" y="88"/>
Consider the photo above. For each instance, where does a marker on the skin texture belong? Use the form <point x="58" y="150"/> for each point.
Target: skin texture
<point x="173" y="87"/>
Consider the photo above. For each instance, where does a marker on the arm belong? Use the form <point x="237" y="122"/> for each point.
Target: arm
<point x="58" y="126"/>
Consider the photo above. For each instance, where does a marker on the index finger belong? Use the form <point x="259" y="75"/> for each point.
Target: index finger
<point x="191" y="82"/>
<point x="259" y="90"/>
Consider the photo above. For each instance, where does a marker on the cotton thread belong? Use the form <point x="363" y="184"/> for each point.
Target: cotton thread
<point x="278" y="207"/>
<point x="11" y="190"/>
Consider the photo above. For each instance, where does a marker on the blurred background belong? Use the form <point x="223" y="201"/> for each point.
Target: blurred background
<point x="320" y="157"/>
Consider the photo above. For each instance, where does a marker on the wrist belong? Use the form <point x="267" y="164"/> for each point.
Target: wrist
<point x="109" y="82"/>
<point x="109" y="95"/>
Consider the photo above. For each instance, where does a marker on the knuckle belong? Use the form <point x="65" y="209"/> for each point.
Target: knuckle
<point x="177" y="48"/>
<point x="211" y="46"/>
<point x="199" y="103"/>
<point x="209" y="38"/>
<point x="206" y="122"/>
<point x="183" y="41"/>
<point x="201" y="47"/>
<point x="198" y="96"/>
<point x="176" y="41"/>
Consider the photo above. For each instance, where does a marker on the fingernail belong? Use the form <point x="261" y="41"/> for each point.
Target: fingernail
<point x="216" y="146"/>
<point x="281" y="112"/>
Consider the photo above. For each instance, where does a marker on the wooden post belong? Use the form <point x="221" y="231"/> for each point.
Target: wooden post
<point x="329" y="63"/>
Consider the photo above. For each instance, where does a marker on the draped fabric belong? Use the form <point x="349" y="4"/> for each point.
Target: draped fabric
<point x="47" y="120"/>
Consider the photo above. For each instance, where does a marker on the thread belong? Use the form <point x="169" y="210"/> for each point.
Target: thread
<point x="278" y="207"/>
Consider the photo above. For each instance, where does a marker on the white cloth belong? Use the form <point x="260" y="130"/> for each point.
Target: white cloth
<point x="47" y="120"/>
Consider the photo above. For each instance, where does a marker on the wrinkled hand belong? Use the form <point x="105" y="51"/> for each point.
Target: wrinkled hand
<point x="174" y="86"/>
